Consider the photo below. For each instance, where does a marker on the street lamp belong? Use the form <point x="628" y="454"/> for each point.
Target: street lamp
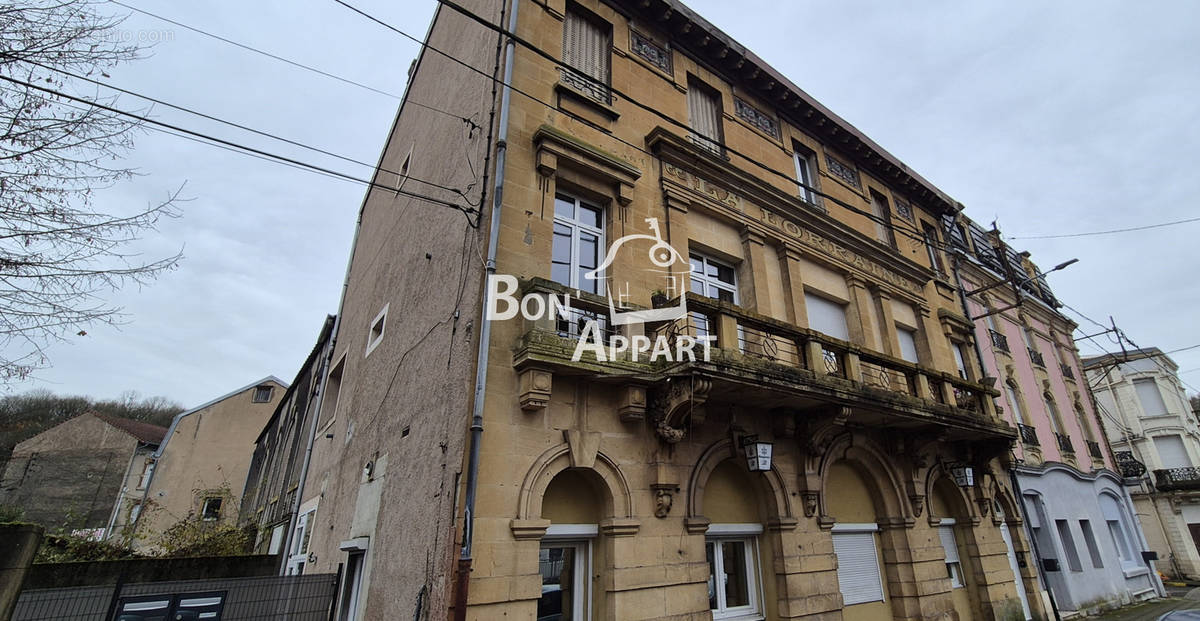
<point x="963" y="475"/>
<point x="758" y="454"/>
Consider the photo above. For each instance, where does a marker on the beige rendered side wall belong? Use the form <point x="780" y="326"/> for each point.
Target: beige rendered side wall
<point x="208" y="453"/>
<point x="385" y="469"/>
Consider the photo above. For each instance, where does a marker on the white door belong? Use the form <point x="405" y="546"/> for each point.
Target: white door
<point x="1012" y="562"/>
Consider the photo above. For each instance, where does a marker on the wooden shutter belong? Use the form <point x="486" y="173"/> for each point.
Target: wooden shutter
<point x="858" y="567"/>
<point x="704" y="112"/>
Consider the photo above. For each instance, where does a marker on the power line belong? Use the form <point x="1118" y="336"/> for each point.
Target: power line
<point x="233" y="124"/>
<point x="255" y="50"/>
<point x="288" y="61"/>
<point x="910" y="234"/>
<point x="466" y="210"/>
<point x="1136" y="228"/>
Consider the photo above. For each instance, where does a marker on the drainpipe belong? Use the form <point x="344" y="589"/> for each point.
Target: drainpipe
<point x="1037" y="555"/>
<point x="485" y="333"/>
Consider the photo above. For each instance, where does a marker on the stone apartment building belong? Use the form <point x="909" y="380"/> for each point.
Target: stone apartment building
<point x="680" y="191"/>
<point x="1153" y="430"/>
<point x="1087" y="535"/>
<point x="270" y="500"/>
<point x="82" y="474"/>
<point x="200" y="467"/>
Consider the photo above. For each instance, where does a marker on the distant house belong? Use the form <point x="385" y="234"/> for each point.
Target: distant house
<point x="273" y="487"/>
<point x="203" y="460"/>
<point x="80" y="474"/>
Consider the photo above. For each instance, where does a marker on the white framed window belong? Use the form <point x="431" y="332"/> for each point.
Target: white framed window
<point x="587" y="45"/>
<point x="908" y="343"/>
<point x="826" y="316"/>
<point x="1055" y="417"/>
<point x="378" y="327"/>
<point x="333" y="392"/>
<point x="565" y="563"/>
<point x="960" y="359"/>
<point x="1150" y="397"/>
<point x="578" y="242"/>
<point x="713" y="279"/>
<point x="950" y="546"/>
<point x="882" y="219"/>
<point x="298" y="554"/>
<point x="806" y="169"/>
<point x="733" y="571"/>
<point x="859" y="578"/>
<point x="1014" y="401"/>
<point x="930" y="236"/>
<point x="704" y="116"/>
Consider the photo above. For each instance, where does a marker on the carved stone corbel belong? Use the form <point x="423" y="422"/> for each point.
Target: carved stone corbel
<point x="534" y="385"/>
<point x="918" y="504"/>
<point x="664" y="495"/>
<point x="811" y="502"/>
<point x="631" y="405"/>
<point x="680" y="399"/>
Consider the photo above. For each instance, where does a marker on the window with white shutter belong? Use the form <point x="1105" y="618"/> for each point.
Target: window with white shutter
<point x="826" y="316"/>
<point x="587" y="45"/>
<point x="950" y="546"/>
<point x="704" y="114"/>
<point x="908" y="343"/>
<point x="1150" y="397"/>
<point x="858" y="563"/>
<point x="1171" y="452"/>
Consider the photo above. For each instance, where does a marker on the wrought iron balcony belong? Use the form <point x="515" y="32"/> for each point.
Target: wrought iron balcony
<point x="1177" y="478"/>
<point x="999" y="341"/>
<point x="1028" y="435"/>
<point x="1094" y="449"/>
<point x="1036" y="357"/>
<point x="1064" y="443"/>
<point x="1129" y="466"/>
<point x="1067" y="371"/>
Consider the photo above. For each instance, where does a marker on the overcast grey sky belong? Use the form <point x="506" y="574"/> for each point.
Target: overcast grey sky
<point x="1054" y="118"/>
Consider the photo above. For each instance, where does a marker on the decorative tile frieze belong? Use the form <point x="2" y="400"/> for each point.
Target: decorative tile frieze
<point x="904" y="209"/>
<point x="650" y="51"/>
<point x="588" y="87"/>
<point x="843" y="171"/>
<point x="756" y="117"/>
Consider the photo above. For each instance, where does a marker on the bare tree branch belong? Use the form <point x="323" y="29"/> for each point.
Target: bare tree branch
<point x="60" y="255"/>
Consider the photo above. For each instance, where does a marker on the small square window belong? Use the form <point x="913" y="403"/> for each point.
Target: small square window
<point x="211" y="510"/>
<point x="262" y="394"/>
<point x="378" y="327"/>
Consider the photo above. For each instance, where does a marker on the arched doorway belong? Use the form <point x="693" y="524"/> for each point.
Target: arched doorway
<point x="571" y="557"/>
<point x="740" y="560"/>
<point x="856" y="542"/>
<point x="948" y="507"/>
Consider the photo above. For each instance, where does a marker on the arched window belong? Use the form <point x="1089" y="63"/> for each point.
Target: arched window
<point x="1118" y="529"/>
<point x="1014" y="401"/>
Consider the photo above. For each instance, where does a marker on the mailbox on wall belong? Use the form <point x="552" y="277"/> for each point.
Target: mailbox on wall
<point x="1050" y="564"/>
<point x="1149" y="555"/>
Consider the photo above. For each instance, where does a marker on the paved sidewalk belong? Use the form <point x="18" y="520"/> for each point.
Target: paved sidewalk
<point x="1151" y="611"/>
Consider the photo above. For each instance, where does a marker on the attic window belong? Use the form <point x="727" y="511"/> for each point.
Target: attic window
<point x="262" y="394"/>
<point x="378" y="325"/>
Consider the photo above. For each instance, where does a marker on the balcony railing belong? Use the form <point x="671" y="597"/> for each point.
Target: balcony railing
<point x="999" y="341"/>
<point x="1035" y="356"/>
<point x="774" y="352"/>
<point x="1094" y="449"/>
<point x="1129" y="466"/>
<point x="1064" y="443"/>
<point x="1177" y="478"/>
<point x="1029" y="435"/>
<point x="1067" y="371"/>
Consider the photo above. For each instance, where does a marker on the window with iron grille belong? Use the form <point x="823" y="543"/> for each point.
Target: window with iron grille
<point x="587" y="45"/>
<point x="704" y="116"/>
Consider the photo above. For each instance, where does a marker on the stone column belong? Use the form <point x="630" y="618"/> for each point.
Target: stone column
<point x="754" y="293"/>
<point x="858" y="315"/>
<point x="676" y="230"/>
<point x="793" y="285"/>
